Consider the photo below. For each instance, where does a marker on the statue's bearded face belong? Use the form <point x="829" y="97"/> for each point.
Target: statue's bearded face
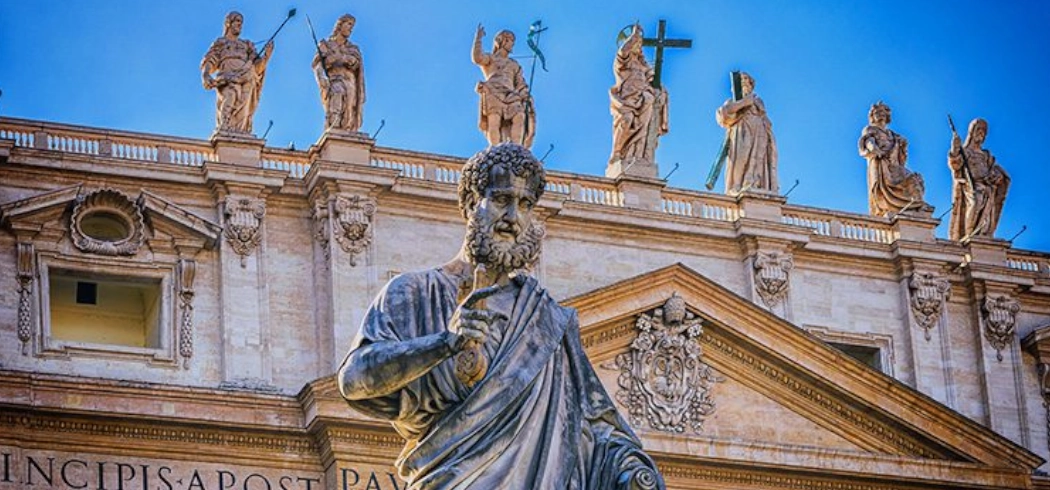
<point x="234" y="22"/>
<point x="501" y="231"/>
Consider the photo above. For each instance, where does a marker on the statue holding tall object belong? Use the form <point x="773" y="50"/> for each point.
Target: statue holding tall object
<point x="638" y="108"/>
<point x="505" y="100"/>
<point x="340" y="74"/>
<point x="236" y="72"/>
<point x="751" y="153"/>
<point x="533" y="414"/>
<point x="979" y="184"/>
<point x="892" y="188"/>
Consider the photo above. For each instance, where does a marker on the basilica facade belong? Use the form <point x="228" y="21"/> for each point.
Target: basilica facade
<point x="175" y="309"/>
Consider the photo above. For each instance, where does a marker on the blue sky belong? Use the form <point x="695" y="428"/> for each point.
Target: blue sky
<point x="819" y="65"/>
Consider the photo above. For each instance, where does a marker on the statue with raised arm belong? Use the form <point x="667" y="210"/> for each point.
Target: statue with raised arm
<point x="506" y="109"/>
<point x="979" y="185"/>
<point x="752" y="156"/>
<point x="480" y="370"/>
<point x="235" y="71"/>
<point x="639" y="110"/>
<point x="340" y="75"/>
<point x="892" y="188"/>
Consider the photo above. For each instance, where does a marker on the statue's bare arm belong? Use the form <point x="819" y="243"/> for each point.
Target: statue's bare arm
<point x="477" y="55"/>
<point x="383" y="368"/>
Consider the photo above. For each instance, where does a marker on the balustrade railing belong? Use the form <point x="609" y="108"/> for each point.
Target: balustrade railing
<point x="600" y="191"/>
<point x="840" y="225"/>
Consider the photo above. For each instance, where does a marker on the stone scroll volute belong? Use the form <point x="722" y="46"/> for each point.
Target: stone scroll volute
<point x="352" y="225"/>
<point x="663" y="380"/>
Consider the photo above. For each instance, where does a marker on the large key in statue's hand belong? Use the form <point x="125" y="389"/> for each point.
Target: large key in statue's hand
<point x="471" y="322"/>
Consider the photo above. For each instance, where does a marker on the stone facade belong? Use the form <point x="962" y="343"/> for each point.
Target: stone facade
<point x="264" y="261"/>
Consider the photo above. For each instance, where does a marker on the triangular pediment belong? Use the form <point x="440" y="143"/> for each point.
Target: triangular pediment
<point x="783" y="398"/>
<point x="167" y="222"/>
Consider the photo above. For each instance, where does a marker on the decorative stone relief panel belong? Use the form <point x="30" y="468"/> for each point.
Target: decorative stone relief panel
<point x="353" y="224"/>
<point x="243" y="224"/>
<point x="187" y="269"/>
<point x="321" y="232"/>
<point x="26" y="281"/>
<point x="771" y="276"/>
<point x="106" y="222"/>
<point x="663" y="379"/>
<point x="1000" y="316"/>
<point x="929" y="292"/>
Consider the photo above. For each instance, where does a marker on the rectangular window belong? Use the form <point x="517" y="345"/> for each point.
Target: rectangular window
<point x="870" y="356"/>
<point x="101" y="309"/>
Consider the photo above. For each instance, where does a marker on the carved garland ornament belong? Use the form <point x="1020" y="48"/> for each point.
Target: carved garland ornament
<point x="243" y="224"/>
<point x="353" y="224"/>
<point x="106" y="222"/>
<point x="662" y="377"/>
<point x="187" y="270"/>
<point x="26" y="279"/>
<point x="771" y="276"/>
<point x="929" y="292"/>
<point x="1000" y="316"/>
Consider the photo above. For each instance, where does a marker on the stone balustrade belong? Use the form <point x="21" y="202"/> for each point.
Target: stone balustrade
<point x="586" y="189"/>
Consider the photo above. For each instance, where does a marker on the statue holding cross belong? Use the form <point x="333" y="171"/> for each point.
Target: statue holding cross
<point x="638" y="103"/>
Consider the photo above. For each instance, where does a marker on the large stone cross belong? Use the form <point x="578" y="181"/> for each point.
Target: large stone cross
<point x="660" y="42"/>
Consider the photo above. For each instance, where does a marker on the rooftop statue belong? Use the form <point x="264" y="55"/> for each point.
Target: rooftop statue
<point x="979" y="185"/>
<point x="480" y="370"/>
<point x="752" y="155"/>
<point x="506" y="109"/>
<point x="639" y="110"/>
<point x="892" y="188"/>
<point x="340" y="74"/>
<point x="236" y="72"/>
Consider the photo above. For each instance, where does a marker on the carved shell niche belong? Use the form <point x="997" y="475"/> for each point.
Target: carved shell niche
<point x="106" y="222"/>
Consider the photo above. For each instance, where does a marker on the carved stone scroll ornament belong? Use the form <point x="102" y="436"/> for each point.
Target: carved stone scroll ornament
<point x="243" y="225"/>
<point x="771" y="276"/>
<point x="1000" y="317"/>
<point x="929" y="292"/>
<point x="321" y="232"/>
<point x="26" y="278"/>
<point x="187" y="271"/>
<point x="663" y="379"/>
<point x="353" y="224"/>
<point x="106" y="222"/>
<point x="1043" y="369"/>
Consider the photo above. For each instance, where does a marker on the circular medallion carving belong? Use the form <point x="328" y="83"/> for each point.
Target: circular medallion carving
<point x="107" y="222"/>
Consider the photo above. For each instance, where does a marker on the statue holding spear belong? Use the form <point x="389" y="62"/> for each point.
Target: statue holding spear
<point x="235" y="70"/>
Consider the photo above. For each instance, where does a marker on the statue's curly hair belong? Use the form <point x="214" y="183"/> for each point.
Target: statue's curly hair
<point x="476" y="174"/>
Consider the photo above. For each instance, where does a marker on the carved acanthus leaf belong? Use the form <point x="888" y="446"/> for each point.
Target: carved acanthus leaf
<point x="1000" y="317"/>
<point x="663" y="379"/>
<point x="243" y="224"/>
<point x="771" y="276"/>
<point x="929" y="292"/>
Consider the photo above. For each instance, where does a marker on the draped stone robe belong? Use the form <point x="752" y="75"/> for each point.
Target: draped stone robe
<point x="540" y="419"/>
<point x="752" y="158"/>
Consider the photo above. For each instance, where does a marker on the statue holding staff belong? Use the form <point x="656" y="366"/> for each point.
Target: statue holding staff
<point x="979" y="184"/>
<point x="505" y="101"/>
<point x="236" y="72"/>
<point x="340" y="74"/>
